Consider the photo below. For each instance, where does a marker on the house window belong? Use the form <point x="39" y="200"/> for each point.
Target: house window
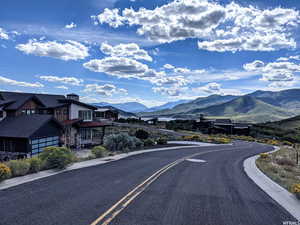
<point x="85" y="114"/>
<point x="28" y="111"/>
<point x="86" y="134"/>
<point x="38" y="145"/>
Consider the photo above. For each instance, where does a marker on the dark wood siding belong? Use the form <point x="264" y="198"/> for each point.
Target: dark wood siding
<point x="62" y="113"/>
<point x="14" y="145"/>
<point x="29" y="105"/>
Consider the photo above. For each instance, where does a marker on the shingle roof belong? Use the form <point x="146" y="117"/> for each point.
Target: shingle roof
<point x="18" y="98"/>
<point x="10" y="126"/>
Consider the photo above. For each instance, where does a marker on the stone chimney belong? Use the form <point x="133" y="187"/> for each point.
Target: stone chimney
<point x="73" y="97"/>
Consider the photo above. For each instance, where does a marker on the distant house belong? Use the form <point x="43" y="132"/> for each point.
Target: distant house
<point x="224" y="126"/>
<point x="106" y="114"/>
<point x="73" y="120"/>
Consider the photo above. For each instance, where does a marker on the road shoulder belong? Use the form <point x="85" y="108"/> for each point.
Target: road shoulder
<point x="286" y="199"/>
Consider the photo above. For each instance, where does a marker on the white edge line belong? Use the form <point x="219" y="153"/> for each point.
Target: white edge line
<point x="284" y="198"/>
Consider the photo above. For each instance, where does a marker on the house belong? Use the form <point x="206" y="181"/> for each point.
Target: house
<point x="74" y="120"/>
<point x="28" y="134"/>
<point x="106" y="114"/>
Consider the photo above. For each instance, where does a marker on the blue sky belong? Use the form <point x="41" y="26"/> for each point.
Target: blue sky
<point x="149" y="51"/>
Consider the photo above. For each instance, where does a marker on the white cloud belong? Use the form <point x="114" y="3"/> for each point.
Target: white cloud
<point x="69" y="50"/>
<point x="282" y="59"/>
<point x="254" y="66"/>
<point x="274" y="71"/>
<point x="105" y="90"/>
<point x="131" y="50"/>
<point x="296" y="57"/>
<point x="62" y="87"/>
<point x="170" y="91"/>
<point x="3" y="34"/>
<point x="170" y="80"/>
<point x="65" y="80"/>
<point x="7" y="81"/>
<point x="121" y="67"/>
<point x="228" y="27"/>
<point x="169" y="66"/>
<point x="71" y="25"/>
<point x="211" y="88"/>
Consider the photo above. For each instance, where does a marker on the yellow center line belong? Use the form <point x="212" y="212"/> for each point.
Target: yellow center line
<point x="112" y="212"/>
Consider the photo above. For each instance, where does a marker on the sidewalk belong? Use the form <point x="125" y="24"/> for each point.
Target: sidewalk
<point x="94" y="162"/>
<point x="286" y="199"/>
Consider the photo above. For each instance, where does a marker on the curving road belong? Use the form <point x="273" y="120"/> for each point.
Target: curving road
<point x="205" y="185"/>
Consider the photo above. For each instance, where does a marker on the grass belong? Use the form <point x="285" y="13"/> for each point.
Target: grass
<point x="281" y="167"/>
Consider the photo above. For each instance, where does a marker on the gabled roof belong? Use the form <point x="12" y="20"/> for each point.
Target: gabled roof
<point x="18" y="99"/>
<point x="71" y="101"/>
<point x="10" y="126"/>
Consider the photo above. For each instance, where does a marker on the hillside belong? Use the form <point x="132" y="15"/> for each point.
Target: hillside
<point x="245" y="108"/>
<point x="287" y="129"/>
<point x="121" y="112"/>
<point x="132" y="107"/>
<point x="198" y="103"/>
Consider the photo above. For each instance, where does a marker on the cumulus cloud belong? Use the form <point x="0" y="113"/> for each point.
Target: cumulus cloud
<point x="3" y="34"/>
<point x="121" y="67"/>
<point x="170" y="80"/>
<point x="274" y="71"/>
<point x="69" y="50"/>
<point x="170" y="91"/>
<point x="104" y="90"/>
<point x="211" y="88"/>
<point x="254" y="66"/>
<point x="71" y="25"/>
<point x="169" y="66"/>
<point x="131" y="50"/>
<point x="7" y="81"/>
<point x="64" y="80"/>
<point x="230" y="27"/>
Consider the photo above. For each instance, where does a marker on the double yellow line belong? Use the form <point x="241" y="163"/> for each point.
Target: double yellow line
<point x="117" y="208"/>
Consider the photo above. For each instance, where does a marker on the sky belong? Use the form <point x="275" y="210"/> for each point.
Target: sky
<point x="151" y="52"/>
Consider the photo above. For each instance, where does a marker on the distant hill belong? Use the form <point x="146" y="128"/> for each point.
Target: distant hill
<point x="132" y="107"/>
<point x="287" y="129"/>
<point x="168" y="105"/>
<point x="198" y="103"/>
<point x="245" y="108"/>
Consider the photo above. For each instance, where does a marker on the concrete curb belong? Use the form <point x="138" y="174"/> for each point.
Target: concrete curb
<point x="286" y="199"/>
<point x="89" y="163"/>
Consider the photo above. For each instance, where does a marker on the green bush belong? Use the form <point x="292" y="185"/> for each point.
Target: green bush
<point x="5" y="172"/>
<point x="162" y="141"/>
<point x="57" y="157"/>
<point x="36" y="164"/>
<point x="121" y="142"/>
<point x="142" y="134"/>
<point x="149" y="142"/>
<point x="19" y="167"/>
<point x="99" y="151"/>
<point x="137" y="142"/>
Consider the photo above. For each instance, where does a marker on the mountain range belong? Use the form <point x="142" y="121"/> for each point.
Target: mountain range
<point x="258" y="107"/>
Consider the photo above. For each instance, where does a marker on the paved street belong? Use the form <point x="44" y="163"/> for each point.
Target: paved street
<point x="211" y="189"/>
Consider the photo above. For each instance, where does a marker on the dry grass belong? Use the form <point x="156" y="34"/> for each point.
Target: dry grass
<point x="281" y="167"/>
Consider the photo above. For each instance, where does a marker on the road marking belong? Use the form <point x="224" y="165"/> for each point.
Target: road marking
<point x="196" y="160"/>
<point x="118" y="207"/>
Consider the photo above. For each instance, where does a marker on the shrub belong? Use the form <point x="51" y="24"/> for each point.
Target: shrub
<point x="142" y="134"/>
<point x="57" y="157"/>
<point x="121" y="142"/>
<point x="285" y="162"/>
<point x="19" y="167"/>
<point x="36" y="164"/>
<point x="296" y="190"/>
<point x="137" y="142"/>
<point x="264" y="155"/>
<point x="162" y="141"/>
<point x="149" y="142"/>
<point x="99" y="151"/>
<point x="5" y="172"/>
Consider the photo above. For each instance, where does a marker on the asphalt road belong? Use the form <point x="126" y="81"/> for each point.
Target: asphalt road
<point x="216" y="192"/>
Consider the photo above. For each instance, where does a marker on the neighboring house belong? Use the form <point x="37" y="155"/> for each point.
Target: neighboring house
<point x="28" y="134"/>
<point x="78" y="126"/>
<point x="106" y="114"/>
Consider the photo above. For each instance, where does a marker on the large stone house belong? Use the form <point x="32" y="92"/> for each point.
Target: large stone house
<point x="30" y="122"/>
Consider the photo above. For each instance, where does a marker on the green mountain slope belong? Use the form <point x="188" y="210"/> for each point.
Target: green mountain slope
<point x="245" y="108"/>
<point x="198" y="103"/>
